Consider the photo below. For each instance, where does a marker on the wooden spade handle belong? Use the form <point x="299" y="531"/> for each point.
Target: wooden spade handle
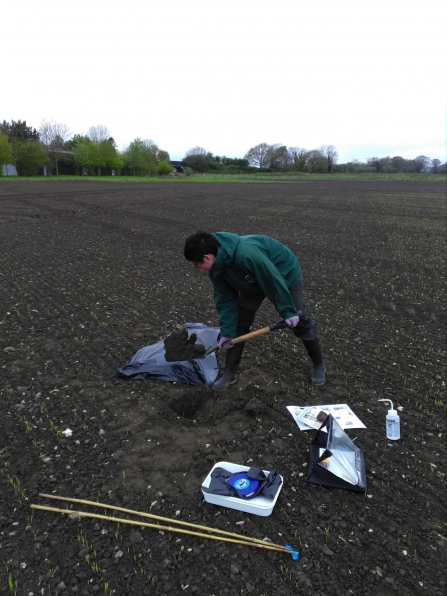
<point x="238" y="340"/>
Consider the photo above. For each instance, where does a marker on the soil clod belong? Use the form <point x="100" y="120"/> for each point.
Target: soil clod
<point x="181" y="347"/>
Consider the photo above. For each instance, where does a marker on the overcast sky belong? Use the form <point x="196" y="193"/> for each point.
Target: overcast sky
<point x="366" y="77"/>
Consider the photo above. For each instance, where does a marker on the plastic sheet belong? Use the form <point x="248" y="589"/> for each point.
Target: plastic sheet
<point x="150" y="361"/>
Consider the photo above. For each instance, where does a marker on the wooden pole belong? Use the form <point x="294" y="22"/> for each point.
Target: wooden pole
<point x="266" y="545"/>
<point x="163" y="519"/>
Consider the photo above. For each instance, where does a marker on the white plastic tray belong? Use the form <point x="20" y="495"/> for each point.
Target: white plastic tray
<point x="257" y="505"/>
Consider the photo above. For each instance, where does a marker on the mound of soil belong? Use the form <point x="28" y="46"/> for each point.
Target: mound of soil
<point x="180" y="347"/>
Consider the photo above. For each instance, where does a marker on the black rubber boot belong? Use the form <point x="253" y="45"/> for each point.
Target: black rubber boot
<point x="228" y="378"/>
<point x="232" y="361"/>
<point x="313" y="349"/>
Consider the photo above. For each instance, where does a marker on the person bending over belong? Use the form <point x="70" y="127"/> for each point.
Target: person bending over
<point x="244" y="270"/>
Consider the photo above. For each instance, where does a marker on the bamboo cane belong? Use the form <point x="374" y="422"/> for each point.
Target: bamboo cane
<point x="267" y="546"/>
<point x="160" y="518"/>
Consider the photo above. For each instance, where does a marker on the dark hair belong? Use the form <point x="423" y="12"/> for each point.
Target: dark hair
<point x="199" y="244"/>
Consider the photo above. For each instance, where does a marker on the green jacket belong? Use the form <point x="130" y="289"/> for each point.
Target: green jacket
<point x="252" y="265"/>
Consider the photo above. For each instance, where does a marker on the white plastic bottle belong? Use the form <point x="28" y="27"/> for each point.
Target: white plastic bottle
<point x="392" y="423"/>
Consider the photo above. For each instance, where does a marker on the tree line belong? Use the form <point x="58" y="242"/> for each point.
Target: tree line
<point x="30" y="150"/>
<point x="95" y="153"/>
<point x="279" y="158"/>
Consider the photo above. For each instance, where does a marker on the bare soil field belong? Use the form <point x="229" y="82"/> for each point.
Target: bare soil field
<point x="91" y="272"/>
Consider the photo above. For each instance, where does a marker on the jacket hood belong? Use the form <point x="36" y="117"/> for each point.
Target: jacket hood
<point x="228" y="244"/>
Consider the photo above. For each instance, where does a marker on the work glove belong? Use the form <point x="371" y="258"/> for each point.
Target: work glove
<point x="224" y="343"/>
<point x="292" y="322"/>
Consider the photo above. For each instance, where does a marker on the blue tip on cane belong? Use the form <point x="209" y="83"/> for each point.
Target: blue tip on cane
<point x="288" y="547"/>
<point x="295" y="555"/>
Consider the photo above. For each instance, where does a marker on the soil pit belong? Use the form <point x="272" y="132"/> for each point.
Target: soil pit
<point x="181" y="347"/>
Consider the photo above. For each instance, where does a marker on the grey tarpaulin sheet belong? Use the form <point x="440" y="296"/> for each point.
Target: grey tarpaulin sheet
<point x="150" y="363"/>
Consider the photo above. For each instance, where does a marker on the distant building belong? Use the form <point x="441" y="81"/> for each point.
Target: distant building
<point x="9" y="170"/>
<point x="178" y="166"/>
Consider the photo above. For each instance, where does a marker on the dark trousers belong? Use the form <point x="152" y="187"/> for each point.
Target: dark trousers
<point x="248" y="307"/>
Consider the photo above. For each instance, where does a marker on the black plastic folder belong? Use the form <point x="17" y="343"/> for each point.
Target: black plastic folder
<point x="334" y="460"/>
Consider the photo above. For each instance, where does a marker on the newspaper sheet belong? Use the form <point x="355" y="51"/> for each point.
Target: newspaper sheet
<point x="310" y="417"/>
